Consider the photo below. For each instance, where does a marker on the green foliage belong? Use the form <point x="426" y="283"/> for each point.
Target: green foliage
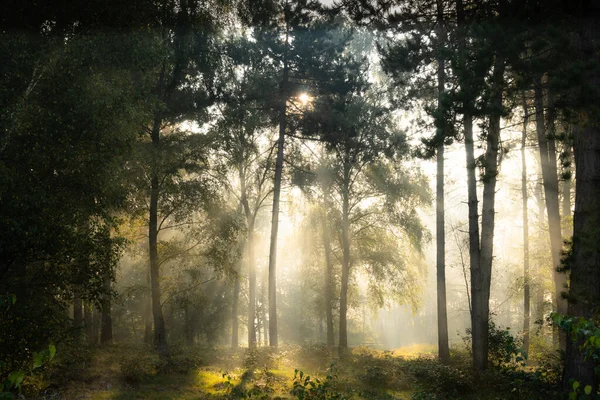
<point x="437" y="381"/>
<point x="307" y="387"/>
<point x="138" y="369"/>
<point x="14" y="381"/>
<point x="504" y="350"/>
<point x="585" y="333"/>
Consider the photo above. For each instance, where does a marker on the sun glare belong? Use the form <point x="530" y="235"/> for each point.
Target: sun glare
<point x="304" y="98"/>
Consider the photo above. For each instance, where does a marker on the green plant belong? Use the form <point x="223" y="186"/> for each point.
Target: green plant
<point x="136" y="370"/>
<point x="586" y="333"/>
<point x="504" y="350"/>
<point x="436" y="379"/>
<point x="306" y="387"/>
<point x="13" y="383"/>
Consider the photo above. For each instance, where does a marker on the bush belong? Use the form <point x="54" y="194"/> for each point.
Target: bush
<point x="504" y="350"/>
<point x="136" y="370"/>
<point x="436" y="379"/>
<point x="306" y="387"/>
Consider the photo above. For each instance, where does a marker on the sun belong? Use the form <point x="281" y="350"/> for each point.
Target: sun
<point x="304" y="98"/>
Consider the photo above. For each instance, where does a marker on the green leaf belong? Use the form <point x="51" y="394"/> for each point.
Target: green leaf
<point x="38" y="359"/>
<point x="576" y="385"/>
<point x="16" y="378"/>
<point x="51" y="351"/>
<point x="587" y="389"/>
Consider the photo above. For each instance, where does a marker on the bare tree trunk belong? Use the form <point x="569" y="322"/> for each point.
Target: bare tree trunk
<point x="77" y="310"/>
<point x="148" y="338"/>
<point x="584" y="293"/>
<point x="526" y="285"/>
<point x="264" y="315"/>
<point x="488" y="213"/>
<point x="328" y="281"/>
<point x="273" y="338"/>
<point x="96" y="324"/>
<point x="566" y="214"/>
<point x="88" y="319"/>
<point x="343" y="341"/>
<point x="160" y="336"/>
<point x="584" y="263"/>
<point x="442" y="313"/>
<point x="550" y="179"/>
<point x="234" y="311"/>
<point x="478" y="332"/>
<point x="106" y="332"/>
<point x="252" y="289"/>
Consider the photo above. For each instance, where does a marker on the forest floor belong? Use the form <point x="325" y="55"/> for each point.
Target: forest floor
<point x="123" y="372"/>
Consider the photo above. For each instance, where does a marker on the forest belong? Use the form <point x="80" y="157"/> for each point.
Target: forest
<point x="300" y="199"/>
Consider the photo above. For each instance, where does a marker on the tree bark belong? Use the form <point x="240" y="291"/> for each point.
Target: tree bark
<point x="77" y="310"/>
<point x="106" y="331"/>
<point x="442" y="314"/>
<point x="250" y="262"/>
<point x="550" y="180"/>
<point x="234" y="311"/>
<point x="273" y="338"/>
<point x="160" y="337"/>
<point x="328" y="289"/>
<point x="526" y="284"/>
<point x="252" y="287"/>
<point x="343" y="341"/>
<point x="584" y="293"/>
<point x="148" y="334"/>
<point x="584" y="263"/>
<point x="88" y="319"/>
<point x="478" y="332"/>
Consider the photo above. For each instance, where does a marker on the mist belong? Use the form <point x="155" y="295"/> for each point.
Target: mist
<point x="299" y="200"/>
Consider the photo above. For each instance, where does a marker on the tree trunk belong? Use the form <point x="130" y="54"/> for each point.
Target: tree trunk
<point x="189" y="326"/>
<point x="252" y="289"/>
<point x="77" y="311"/>
<point x="343" y="342"/>
<point x="88" y="319"/>
<point x="265" y="318"/>
<point x="160" y="336"/>
<point x="584" y="293"/>
<point x="328" y="289"/>
<point x="442" y="314"/>
<point x="488" y="213"/>
<point x="567" y="230"/>
<point x="478" y="332"/>
<point x="234" y="311"/>
<point x="96" y="324"/>
<point x="584" y="263"/>
<point x="550" y="179"/>
<point x="106" y="332"/>
<point x="273" y="338"/>
<point x="148" y="318"/>
<point x="526" y="285"/>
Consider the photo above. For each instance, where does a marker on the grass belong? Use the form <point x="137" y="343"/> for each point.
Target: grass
<point x="123" y="372"/>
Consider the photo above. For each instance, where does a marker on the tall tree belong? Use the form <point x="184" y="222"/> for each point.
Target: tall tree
<point x="526" y="277"/>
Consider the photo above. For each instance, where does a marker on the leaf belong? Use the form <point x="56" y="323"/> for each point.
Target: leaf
<point x="576" y="385"/>
<point x="51" y="351"/>
<point x="16" y="378"/>
<point x="38" y="359"/>
<point x="587" y="390"/>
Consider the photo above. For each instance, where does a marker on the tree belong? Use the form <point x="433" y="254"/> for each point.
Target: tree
<point x="359" y="133"/>
<point x="242" y="127"/>
<point x="182" y="83"/>
<point x="526" y="276"/>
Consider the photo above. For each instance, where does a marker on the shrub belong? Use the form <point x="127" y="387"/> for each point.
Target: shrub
<point x="136" y="370"/>
<point x="307" y="387"/>
<point x="434" y="378"/>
